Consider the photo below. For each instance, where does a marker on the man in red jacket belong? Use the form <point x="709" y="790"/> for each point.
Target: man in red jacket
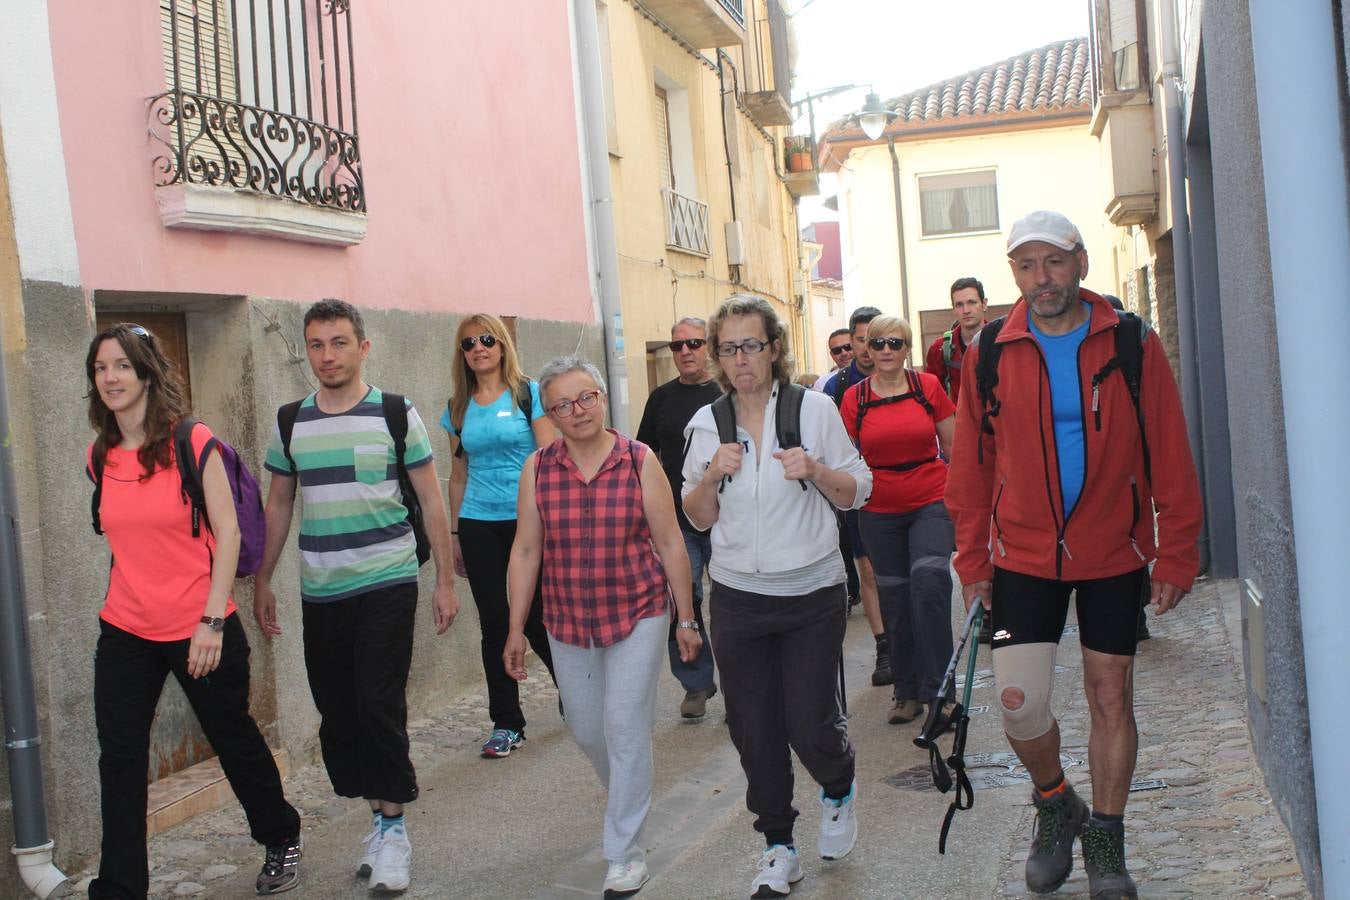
<point x="1050" y="493"/>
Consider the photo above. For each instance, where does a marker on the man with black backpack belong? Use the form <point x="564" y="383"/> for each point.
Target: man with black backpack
<point x="1069" y="437"/>
<point x="363" y="463"/>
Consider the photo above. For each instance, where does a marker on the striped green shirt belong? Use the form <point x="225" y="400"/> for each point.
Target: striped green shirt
<point x="354" y="531"/>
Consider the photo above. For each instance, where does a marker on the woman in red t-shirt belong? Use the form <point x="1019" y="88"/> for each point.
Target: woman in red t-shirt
<point x="900" y="419"/>
<point x="168" y="609"/>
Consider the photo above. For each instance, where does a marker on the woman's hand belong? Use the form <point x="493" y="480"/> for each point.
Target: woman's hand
<point x="204" y="650"/>
<point x="725" y="463"/>
<point x="798" y="465"/>
<point x="459" y="557"/>
<point x="513" y="657"/>
<point x="690" y="642"/>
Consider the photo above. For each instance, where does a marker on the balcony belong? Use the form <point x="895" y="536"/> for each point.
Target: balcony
<point x="769" y="106"/>
<point x="1125" y="139"/>
<point x="686" y="224"/>
<point x="703" y="23"/>
<point x="800" y="174"/>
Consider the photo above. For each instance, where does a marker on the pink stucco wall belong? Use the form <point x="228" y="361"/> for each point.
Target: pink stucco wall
<point x="470" y="160"/>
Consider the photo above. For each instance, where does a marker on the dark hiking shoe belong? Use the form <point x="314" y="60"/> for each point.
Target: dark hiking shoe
<point x="882" y="673"/>
<point x="1058" y="820"/>
<point x="695" y="703"/>
<point x="1104" y="859"/>
<point x="281" y="868"/>
<point x="904" y="711"/>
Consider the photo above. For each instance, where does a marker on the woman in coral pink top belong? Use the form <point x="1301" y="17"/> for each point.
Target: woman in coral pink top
<point x="168" y="609"/>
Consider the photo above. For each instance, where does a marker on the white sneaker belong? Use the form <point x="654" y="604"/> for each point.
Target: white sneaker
<point x="370" y="849"/>
<point x="838" y="824"/>
<point x="779" y="870"/>
<point x="625" y="878"/>
<point x="393" y="863"/>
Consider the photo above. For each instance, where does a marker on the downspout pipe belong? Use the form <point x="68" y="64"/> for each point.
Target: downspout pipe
<point x="1183" y="273"/>
<point x="1301" y="116"/>
<point x="900" y="232"/>
<point x="596" y="183"/>
<point x="23" y="741"/>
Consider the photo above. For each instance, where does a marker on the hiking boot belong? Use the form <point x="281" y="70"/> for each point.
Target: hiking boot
<point x="1058" y="819"/>
<point x="1104" y="859"/>
<point x="695" y="703"/>
<point x="501" y="742"/>
<point x="281" y="868"/>
<point x="393" y="864"/>
<point x="904" y="711"/>
<point x="882" y="673"/>
<point x="370" y="848"/>
<point x="779" y="870"/>
<point x="838" y="824"/>
<point x="625" y="878"/>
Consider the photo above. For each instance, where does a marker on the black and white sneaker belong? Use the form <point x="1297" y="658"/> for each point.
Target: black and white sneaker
<point x="281" y="868"/>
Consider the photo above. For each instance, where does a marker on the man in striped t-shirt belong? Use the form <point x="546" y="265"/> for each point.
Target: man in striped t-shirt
<point x="358" y="576"/>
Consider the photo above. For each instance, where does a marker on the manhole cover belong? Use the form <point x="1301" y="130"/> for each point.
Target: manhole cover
<point x="1147" y="784"/>
<point x="985" y="770"/>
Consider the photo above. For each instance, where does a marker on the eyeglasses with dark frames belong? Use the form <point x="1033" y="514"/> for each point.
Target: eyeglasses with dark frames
<point x="894" y="343"/>
<point x="586" y="400"/>
<point x="749" y="346"/>
<point x="691" y="343"/>
<point x="487" y="340"/>
<point x="841" y="348"/>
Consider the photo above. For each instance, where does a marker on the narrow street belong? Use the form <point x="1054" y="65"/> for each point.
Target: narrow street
<point x="1200" y="822"/>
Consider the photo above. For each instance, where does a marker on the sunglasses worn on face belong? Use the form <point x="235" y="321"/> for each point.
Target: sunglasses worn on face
<point x="842" y="348"/>
<point x="691" y="343"/>
<point x="565" y="408"/>
<point x="894" y="343"/>
<point x="487" y="340"/>
<point x="749" y="346"/>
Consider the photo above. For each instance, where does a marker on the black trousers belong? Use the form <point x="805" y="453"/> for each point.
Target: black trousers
<point x="357" y="654"/>
<point x="487" y="551"/>
<point x="129" y="673"/>
<point x="780" y="675"/>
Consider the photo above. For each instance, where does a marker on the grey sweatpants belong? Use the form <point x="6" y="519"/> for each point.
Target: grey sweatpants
<point x="609" y="694"/>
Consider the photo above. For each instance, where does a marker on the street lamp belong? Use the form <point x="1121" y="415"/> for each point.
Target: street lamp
<point x="874" y="116"/>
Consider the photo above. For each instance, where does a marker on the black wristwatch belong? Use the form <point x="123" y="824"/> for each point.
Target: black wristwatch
<point x="216" y="622"/>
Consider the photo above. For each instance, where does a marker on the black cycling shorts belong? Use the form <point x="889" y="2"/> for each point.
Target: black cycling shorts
<point x="1031" y="610"/>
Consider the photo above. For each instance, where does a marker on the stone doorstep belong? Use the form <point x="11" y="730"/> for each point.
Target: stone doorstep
<point x="193" y="791"/>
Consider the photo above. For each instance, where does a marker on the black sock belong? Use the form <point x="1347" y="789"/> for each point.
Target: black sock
<point x="1104" y="819"/>
<point x="779" y="837"/>
<point x="388" y="822"/>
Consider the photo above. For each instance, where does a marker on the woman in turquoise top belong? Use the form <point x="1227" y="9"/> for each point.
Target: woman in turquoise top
<point x="491" y="435"/>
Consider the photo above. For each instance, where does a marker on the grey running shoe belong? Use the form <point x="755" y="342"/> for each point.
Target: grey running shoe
<point x="1058" y="820"/>
<point x="280" y="869"/>
<point x="1104" y="859"/>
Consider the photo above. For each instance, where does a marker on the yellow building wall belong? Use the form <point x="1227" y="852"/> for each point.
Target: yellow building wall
<point x="1054" y="168"/>
<point x="659" y="285"/>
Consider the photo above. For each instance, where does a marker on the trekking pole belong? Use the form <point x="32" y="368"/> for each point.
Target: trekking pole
<point x="928" y="735"/>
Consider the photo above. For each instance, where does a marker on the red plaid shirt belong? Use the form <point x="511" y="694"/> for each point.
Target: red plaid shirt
<point x="601" y="575"/>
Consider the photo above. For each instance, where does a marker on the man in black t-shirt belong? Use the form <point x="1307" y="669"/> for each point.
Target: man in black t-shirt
<point x="669" y="409"/>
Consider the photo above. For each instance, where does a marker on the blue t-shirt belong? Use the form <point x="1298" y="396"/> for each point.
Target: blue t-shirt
<point x="1066" y="401"/>
<point x="497" y="441"/>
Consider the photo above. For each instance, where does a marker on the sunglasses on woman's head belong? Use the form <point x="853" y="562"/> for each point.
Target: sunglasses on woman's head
<point x="487" y="340"/>
<point x="894" y="343"/>
<point x="691" y="343"/>
<point x="842" y="348"/>
<point x="139" y="331"/>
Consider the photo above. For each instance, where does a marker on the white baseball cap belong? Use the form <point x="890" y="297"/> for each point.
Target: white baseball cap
<point x="1044" y="225"/>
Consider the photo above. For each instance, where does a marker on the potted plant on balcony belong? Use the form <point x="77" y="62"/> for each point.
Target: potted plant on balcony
<point x="797" y="149"/>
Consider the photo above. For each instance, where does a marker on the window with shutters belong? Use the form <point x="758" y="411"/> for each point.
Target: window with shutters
<point x="663" y="154"/>
<point x="260" y="97"/>
<point x="687" y="217"/>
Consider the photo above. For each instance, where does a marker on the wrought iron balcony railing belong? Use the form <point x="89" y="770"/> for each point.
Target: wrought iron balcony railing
<point x="686" y="224"/>
<point x="735" y="9"/>
<point x="260" y="98"/>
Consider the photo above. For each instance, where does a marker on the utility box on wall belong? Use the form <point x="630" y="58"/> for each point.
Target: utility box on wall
<point x="735" y="244"/>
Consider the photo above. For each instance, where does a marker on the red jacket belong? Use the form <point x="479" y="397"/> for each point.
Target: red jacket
<point x="936" y="365"/>
<point x="1008" y="511"/>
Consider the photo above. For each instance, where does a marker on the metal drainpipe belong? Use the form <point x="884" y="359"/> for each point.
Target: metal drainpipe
<point x="1183" y="276"/>
<point x="900" y="233"/>
<point x="1300" y="111"/>
<point x="23" y="741"/>
<point x="597" y="184"/>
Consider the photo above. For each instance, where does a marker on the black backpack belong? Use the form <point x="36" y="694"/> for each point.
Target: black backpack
<point x="787" y="421"/>
<point x="865" y="402"/>
<point x="396" y="418"/>
<point x="1130" y="332"/>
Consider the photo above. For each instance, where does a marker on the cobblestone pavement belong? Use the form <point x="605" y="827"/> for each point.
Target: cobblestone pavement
<point x="1209" y="830"/>
<point x="1212" y="830"/>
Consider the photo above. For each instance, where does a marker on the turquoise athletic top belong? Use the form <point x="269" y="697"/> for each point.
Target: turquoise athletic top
<point x="497" y="439"/>
<point x="1066" y="400"/>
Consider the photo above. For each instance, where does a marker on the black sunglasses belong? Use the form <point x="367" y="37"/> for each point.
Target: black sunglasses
<point x="487" y="340"/>
<point x="894" y="343"/>
<point x="139" y="331"/>
<point x="842" y="348"/>
<point x="691" y="343"/>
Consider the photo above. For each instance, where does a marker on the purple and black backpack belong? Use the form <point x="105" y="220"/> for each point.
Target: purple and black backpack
<point x="244" y="491"/>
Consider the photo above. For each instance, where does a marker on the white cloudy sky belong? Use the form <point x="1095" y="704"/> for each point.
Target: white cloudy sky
<point x="903" y="45"/>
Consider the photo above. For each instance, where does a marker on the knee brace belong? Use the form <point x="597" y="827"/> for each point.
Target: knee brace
<point x="1029" y="668"/>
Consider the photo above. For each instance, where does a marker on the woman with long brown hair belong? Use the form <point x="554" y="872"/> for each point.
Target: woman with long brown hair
<point x="168" y="610"/>
<point x="495" y="421"/>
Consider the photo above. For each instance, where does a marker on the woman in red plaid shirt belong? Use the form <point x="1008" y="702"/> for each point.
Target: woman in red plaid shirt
<point x="596" y="509"/>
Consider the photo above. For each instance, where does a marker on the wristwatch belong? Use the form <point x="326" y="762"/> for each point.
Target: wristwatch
<point x="692" y="623"/>
<point x="216" y="622"/>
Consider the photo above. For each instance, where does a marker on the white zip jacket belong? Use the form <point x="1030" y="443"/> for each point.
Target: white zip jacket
<point x="767" y="525"/>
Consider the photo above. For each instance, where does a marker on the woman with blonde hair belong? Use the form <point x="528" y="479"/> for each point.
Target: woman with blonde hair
<point x="495" y="421"/>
